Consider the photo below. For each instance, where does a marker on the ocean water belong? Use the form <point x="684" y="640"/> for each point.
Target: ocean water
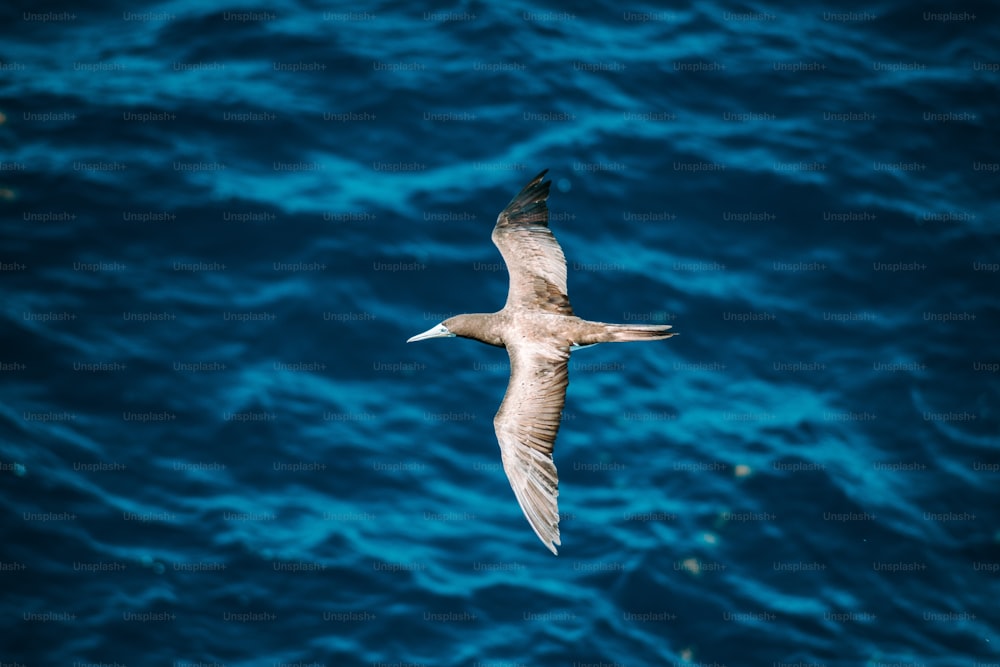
<point x="221" y="222"/>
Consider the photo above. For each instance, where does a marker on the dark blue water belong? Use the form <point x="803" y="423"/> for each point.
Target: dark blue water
<point x="219" y="226"/>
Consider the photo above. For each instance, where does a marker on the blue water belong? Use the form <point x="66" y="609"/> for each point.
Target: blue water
<point x="219" y="226"/>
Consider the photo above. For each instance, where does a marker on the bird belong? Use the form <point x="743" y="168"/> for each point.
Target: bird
<point x="538" y="328"/>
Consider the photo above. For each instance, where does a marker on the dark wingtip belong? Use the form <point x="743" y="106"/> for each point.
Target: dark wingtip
<point x="528" y="205"/>
<point x="535" y="186"/>
<point x="538" y="179"/>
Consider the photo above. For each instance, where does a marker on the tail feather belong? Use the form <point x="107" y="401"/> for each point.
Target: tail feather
<point x="622" y="333"/>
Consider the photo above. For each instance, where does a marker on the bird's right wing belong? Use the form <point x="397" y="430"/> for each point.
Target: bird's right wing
<point x="526" y="427"/>
<point x="535" y="262"/>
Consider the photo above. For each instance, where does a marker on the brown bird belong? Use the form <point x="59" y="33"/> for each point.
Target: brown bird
<point x="539" y="329"/>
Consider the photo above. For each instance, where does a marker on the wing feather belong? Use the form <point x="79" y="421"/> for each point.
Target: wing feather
<point x="526" y="427"/>
<point x="535" y="262"/>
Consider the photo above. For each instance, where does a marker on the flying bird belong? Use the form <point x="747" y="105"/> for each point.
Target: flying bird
<point x="539" y="330"/>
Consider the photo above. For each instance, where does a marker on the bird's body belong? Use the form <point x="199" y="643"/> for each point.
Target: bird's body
<point x="506" y="327"/>
<point x="538" y="328"/>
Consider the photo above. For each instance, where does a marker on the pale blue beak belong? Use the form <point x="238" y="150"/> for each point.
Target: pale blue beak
<point x="437" y="331"/>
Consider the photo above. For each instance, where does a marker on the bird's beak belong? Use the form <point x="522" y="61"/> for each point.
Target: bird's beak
<point x="437" y="331"/>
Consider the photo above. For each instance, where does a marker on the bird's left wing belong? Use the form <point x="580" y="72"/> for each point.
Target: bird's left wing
<point x="526" y="427"/>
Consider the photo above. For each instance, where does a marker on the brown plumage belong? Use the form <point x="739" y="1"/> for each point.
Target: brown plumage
<point x="538" y="328"/>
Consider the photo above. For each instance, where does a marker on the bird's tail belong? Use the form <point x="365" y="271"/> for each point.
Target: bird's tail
<point x="621" y="333"/>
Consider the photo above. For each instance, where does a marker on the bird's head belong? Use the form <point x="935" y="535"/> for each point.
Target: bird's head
<point x="436" y="331"/>
<point x="477" y="326"/>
